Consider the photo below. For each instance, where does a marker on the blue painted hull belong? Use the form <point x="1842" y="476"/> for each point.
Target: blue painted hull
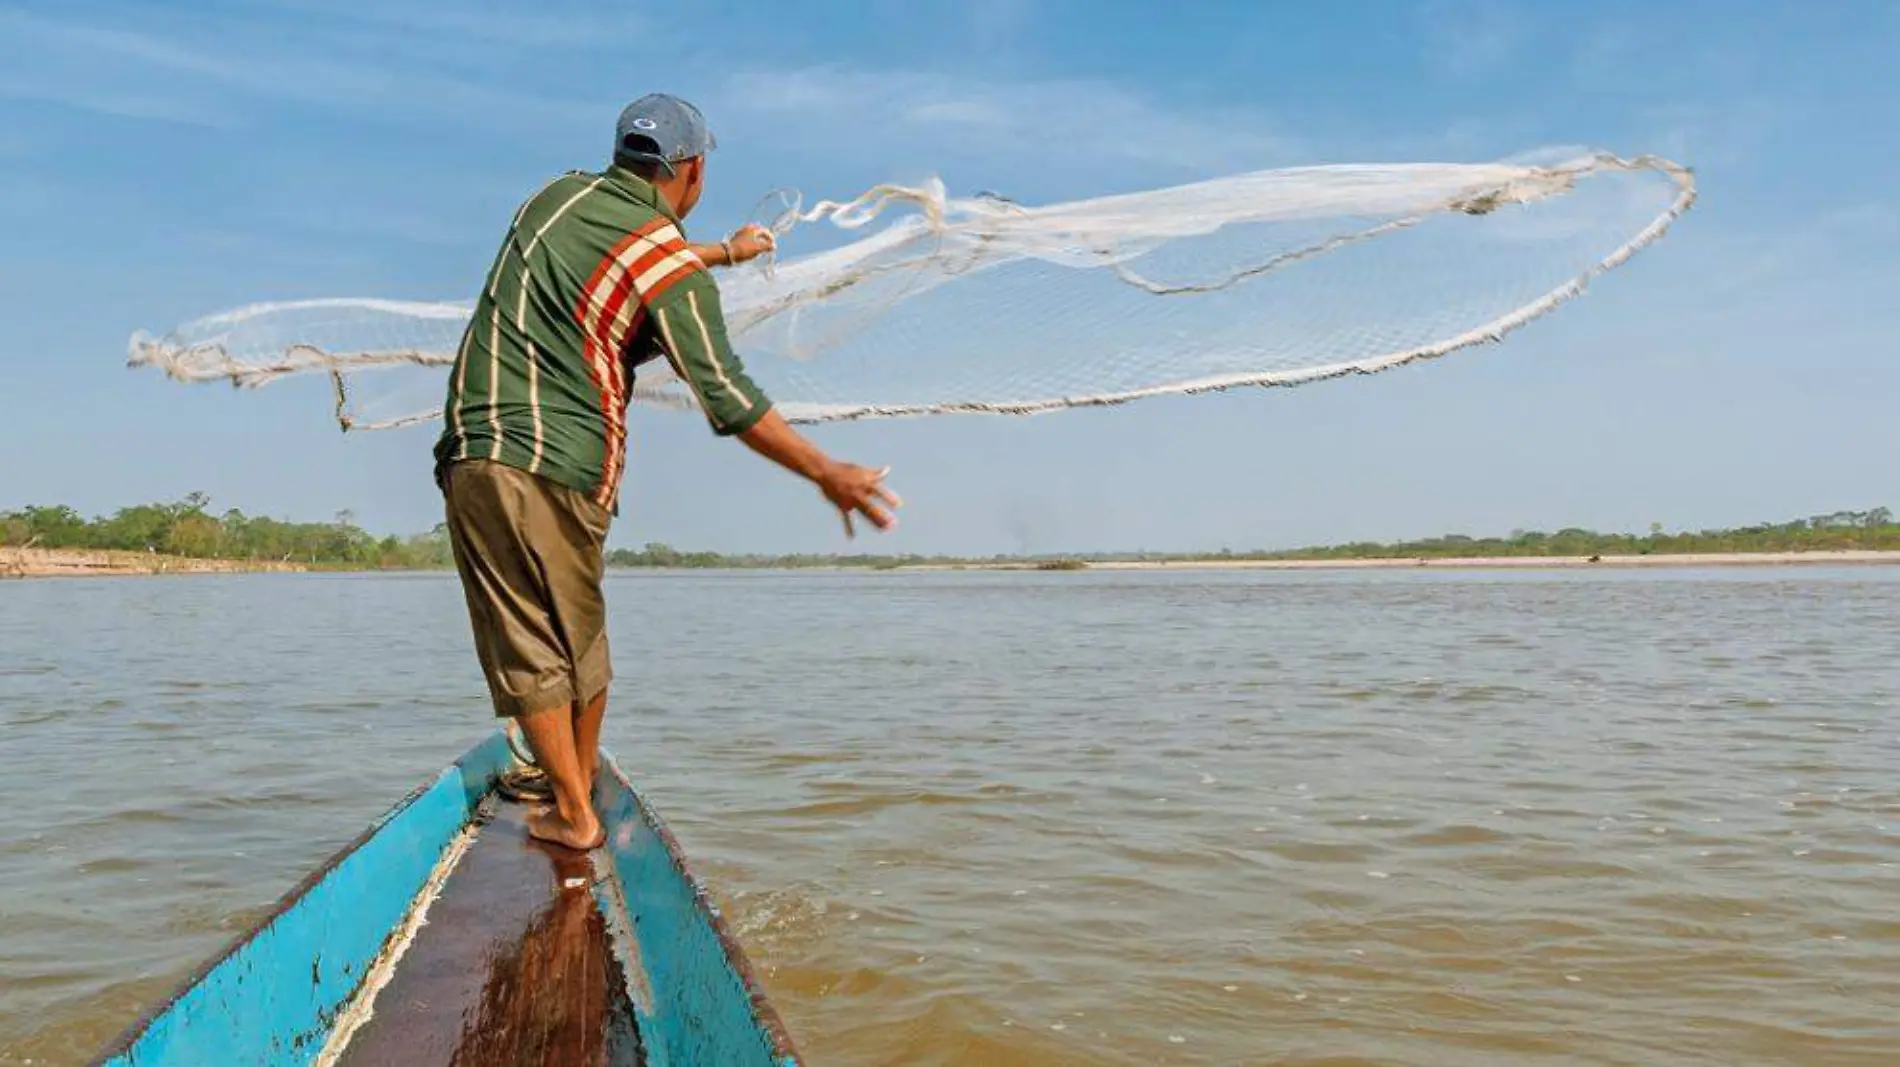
<point x="295" y="989"/>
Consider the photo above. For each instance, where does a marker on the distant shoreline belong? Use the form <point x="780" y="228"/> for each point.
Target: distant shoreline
<point x="77" y="563"/>
<point x="1655" y="560"/>
<point x="56" y="541"/>
<point x="89" y="563"/>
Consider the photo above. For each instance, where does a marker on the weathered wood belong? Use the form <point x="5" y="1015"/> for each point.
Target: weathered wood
<point x="513" y="968"/>
<point x="445" y="935"/>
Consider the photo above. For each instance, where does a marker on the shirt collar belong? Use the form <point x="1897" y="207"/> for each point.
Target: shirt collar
<point x="640" y="189"/>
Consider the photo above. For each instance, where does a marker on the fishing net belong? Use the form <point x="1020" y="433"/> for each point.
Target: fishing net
<point x="980" y="304"/>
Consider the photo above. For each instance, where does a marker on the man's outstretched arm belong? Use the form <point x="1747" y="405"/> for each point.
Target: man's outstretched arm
<point x="692" y="332"/>
<point x="850" y="488"/>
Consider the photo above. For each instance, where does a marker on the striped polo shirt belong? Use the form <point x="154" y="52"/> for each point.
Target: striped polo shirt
<point x="593" y="278"/>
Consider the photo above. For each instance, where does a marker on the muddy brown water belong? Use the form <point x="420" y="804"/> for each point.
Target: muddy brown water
<point x="1436" y="820"/>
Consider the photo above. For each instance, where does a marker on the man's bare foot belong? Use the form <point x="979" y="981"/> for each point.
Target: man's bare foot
<point x="549" y="826"/>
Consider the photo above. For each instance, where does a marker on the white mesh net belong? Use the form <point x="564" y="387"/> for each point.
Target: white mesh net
<point x="979" y="304"/>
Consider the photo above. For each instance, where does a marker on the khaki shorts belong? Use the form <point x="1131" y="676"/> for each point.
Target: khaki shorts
<point x="531" y="554"/>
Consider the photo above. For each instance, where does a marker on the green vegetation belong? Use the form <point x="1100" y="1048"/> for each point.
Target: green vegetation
<point x="1841" y="530"/>
<point x="188" y="528"/>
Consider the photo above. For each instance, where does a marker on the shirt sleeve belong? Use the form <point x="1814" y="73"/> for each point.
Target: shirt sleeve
<point x="691" y="329"/>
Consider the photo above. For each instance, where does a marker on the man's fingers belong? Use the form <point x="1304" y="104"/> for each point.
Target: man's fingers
<point x="860" y="494"/>
<point x="877" y="488"/>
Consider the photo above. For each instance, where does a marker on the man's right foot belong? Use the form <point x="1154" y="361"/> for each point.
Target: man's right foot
<point x="549" y="826"/>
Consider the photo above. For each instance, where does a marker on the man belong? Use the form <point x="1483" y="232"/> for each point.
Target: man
<point x="593" y="279"/>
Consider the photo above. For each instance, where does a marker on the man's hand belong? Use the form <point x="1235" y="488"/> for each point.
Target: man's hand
<point x="749" y="242"/>
<point x="852" y="488"/>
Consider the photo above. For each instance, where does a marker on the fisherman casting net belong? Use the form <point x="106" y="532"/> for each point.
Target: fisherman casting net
<point x="980" y="304"/>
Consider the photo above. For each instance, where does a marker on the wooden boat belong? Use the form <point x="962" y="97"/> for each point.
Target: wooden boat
<point x="445" y="935"/>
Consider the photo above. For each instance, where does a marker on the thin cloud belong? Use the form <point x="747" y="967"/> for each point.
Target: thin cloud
<point x="155" y="76"/>
<point x="38" y="57"/>
<point x="1703" y="135"/>
<point x="1468" y="40"/>
<point x="544" y="25"/>
<point x="113" y="103"/>
<point x="998" y="23"/>
<point x="1608" y="53"/>
<point x="1064" y="123"/>
<point x="33" y="34"/>
<point x="1870" y="220"/>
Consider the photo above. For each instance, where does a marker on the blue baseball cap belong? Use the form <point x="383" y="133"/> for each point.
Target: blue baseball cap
<point x="662" y="129"/>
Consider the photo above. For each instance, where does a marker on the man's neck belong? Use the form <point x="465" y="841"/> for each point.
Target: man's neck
<point x="652" y="189"/>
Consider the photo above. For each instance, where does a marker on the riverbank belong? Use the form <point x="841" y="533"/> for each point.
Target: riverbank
<point x="1657" y="560"/>
<point x="73" y="563"/>
<point x="80" y="563"/>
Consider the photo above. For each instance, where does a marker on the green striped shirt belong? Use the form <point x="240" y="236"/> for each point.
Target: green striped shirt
<point x="593" y="278"/>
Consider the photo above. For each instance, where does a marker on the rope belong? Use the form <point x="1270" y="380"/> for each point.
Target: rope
<point x="527" y="783"/>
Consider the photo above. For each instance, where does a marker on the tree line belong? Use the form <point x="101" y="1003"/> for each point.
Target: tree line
<point x="189" y="527"/>
<point x="1874" y="529"/>
<point x="1841" y="530"/>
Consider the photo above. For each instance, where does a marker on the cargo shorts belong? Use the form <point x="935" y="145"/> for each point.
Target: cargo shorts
<point x="531" y="554"/>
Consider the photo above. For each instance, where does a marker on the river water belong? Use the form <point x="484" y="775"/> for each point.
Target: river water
<point x="1384" y="817"/>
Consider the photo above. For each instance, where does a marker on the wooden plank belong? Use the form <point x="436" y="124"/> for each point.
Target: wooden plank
<point x="513" y="968"/>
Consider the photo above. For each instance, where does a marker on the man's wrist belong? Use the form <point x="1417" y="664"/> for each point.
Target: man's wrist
<point x="823" y="469"/>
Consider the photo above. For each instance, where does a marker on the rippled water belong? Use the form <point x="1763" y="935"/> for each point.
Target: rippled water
<point x="1325" y="818"/>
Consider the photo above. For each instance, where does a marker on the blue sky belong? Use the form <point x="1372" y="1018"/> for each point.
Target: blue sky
<point x="162" y="161"/>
